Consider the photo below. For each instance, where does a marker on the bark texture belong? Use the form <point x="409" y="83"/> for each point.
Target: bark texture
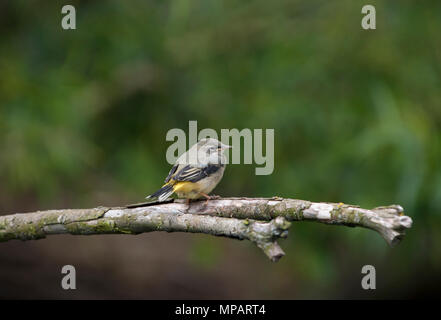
<point x="260" y="220"/>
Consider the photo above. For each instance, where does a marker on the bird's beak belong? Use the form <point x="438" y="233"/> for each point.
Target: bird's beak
<point x="225" y="146"/>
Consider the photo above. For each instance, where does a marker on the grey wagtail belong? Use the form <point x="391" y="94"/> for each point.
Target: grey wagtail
<point x="196" y="172"/>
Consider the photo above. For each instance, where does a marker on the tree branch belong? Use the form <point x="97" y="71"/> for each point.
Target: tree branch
<point x="260" y="220"/>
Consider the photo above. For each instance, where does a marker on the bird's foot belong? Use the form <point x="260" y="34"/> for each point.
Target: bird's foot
<point x="207" y="197"/>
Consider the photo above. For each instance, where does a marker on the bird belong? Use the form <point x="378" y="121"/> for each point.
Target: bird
<point x="196" y="172"/>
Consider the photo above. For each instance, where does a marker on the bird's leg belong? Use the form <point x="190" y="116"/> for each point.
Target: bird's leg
<point x="187" y="202"/>
<point x="206" y="196"/>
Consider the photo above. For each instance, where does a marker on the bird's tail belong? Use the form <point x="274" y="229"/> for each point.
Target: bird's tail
<point x="162" y="194"/>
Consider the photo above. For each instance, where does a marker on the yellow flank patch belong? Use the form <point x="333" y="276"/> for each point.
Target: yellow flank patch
<point x="186" y="186"/>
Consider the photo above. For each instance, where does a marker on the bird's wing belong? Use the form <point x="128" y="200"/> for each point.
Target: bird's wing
<point x="171" y="173"/>
<point x="194" y="174"/>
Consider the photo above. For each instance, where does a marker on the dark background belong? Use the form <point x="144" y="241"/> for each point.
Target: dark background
<point x="357" y="119"/>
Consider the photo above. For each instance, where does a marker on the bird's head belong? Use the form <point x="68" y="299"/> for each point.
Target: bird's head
<point x="211" y="150"/>
<point x="211" y="146"/>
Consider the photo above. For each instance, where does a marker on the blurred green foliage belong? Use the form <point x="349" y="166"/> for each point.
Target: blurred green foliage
<point x="356" y="113"/>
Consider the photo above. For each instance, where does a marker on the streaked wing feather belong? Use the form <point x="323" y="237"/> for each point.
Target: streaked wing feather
<point x="171" y="173"/>
<point x="194" y="174"/>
